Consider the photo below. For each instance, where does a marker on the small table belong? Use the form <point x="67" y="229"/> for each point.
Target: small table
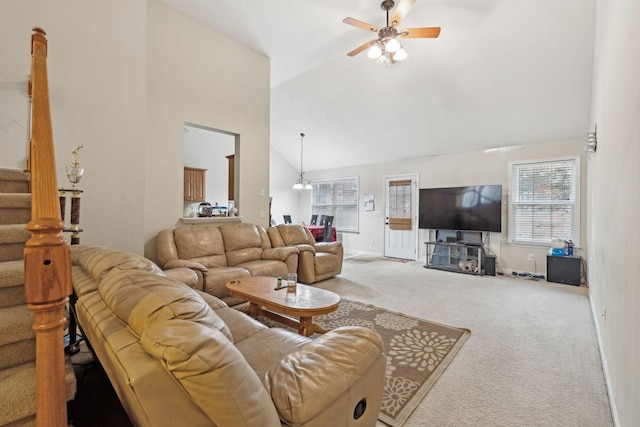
<point x="317" y="231"/>
<point x="265" y="300"/>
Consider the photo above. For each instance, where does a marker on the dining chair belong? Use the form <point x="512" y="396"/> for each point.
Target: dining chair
<point x="314" y="220"/>
<point x="328" y="228"/>
<point x="322" y="218"/>
<point x="287" y="219"/>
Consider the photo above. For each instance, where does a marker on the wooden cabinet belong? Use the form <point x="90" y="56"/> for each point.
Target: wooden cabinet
<point x="194" y="184"/>
<point x="232" y="171"/>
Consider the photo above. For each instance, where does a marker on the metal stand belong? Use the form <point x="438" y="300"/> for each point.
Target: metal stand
<point x="72" y="343"/>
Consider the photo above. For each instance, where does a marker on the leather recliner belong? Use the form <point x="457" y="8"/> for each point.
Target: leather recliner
<point x="222" y="253"/>
<point x="179" y="356"/>
<point x="316" y="260"/>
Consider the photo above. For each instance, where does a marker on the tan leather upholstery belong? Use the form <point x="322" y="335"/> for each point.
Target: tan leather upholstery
<point x="218" y="254"/>
<point x="317" y="260"/>
<point x="178" y="356"/>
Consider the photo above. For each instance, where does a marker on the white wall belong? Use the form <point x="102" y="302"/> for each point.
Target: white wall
<point x="473" y="168"/>
<point x="614" y="202"/>
<point x="188" y="82"/>
<point x="286" y="201"/>
<point x="96" y="69"/>
<point x="124" y="76"/>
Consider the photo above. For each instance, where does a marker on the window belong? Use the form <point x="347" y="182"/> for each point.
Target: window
<point x="337" y="197"/>
<point x="544" y="201"/>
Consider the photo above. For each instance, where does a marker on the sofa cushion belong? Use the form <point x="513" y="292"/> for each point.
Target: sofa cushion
<point x="213" y="373"/>
<point x="240" y="325"/>
<point x="263" y="349"/>
<point x="201" y="244"/>
<point x="271" y="268"/>
<point x="97" y="261"/>
<point x="140" y="300"/>
<point x="293" y="234"/>
<point x="242" y="242"/>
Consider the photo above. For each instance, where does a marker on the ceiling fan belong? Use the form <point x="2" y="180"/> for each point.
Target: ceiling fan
<point x="386" y="49"/>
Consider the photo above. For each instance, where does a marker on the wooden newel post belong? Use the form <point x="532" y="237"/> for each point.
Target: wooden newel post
<point x="47" y="257"/>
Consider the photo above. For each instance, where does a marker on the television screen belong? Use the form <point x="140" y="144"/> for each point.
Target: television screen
<point x="476" y="208"/>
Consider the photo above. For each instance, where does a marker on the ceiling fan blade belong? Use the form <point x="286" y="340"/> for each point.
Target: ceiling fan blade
<point x="404" y="6"/>
<point x="420" y="33"/>
<point x="360" y="24"/>
<point x="359" y="49"/>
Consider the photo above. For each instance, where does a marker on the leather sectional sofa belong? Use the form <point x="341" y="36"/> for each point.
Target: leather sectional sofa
<point x="316" y="260"/>
<point x="222" y="253"/>
<point x="179" y="356"/>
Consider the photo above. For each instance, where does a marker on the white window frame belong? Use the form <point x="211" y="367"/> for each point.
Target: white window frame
<point x="334" y="206"/>
<point x="515" y="200"/>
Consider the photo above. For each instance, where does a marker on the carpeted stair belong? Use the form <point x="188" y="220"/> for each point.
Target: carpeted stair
<point x="17" y="339"/>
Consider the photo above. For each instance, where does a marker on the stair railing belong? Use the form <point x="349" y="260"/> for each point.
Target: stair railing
<point x="47" y="256"/>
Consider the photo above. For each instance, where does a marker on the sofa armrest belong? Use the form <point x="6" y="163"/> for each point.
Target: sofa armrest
<point x="279" y="254"/>
<point x="306" y="382"/>
<point x="185" y="263"/>
<point x="184" y="275"/>
<point x="306" y="248"/>
<point x="330" y="247"/>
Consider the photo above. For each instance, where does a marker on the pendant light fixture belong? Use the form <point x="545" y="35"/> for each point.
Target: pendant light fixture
<point x="300" y="183"/>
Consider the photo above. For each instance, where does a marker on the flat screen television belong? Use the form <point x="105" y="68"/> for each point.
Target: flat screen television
<point x="474" y="208"/>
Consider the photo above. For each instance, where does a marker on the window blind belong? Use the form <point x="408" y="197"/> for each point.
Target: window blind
<point x="338" y="197"/>
<point x="543" y="201"/>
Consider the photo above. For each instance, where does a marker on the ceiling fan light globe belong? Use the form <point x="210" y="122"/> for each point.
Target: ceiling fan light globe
<point x="383" y="60"/>
<point x="374" y="51"/>
<point x="400" y="55"/>
<point x="392" y="45"/>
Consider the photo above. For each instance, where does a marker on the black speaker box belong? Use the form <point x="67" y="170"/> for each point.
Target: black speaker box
<point x="489" y="265"/>
<point x="563" y="269"/>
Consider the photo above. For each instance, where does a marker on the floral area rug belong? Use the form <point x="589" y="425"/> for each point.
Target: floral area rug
<point x="417" y="352"/>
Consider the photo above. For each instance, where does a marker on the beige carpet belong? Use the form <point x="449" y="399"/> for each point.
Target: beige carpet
<point x="531" y="360"/>
<point x="417" y="351"/>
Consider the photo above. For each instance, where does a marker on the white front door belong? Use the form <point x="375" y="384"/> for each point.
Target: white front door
<point x="401" y="217"/>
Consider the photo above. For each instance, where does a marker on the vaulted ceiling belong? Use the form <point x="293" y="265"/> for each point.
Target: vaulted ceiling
<point x="502" y="72"/>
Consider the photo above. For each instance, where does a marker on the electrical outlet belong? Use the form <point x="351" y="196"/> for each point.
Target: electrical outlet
<point x="604" y="312"/>
<point x="532" y="257"/>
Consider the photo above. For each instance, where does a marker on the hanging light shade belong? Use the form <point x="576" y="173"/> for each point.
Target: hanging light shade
<point x="374" y="51"/>
<point x="392" y="45"/>
<point x="300" y="183"/>
<point x="400" y="55"/>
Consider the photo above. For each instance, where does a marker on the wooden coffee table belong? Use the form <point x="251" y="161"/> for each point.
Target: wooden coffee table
<point x="265" y="300"/>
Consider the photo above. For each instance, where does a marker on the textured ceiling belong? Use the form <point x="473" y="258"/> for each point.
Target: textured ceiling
<point x="502" y="72"/>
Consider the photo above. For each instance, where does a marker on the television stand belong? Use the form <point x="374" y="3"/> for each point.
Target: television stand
<point x="458" y="257"/>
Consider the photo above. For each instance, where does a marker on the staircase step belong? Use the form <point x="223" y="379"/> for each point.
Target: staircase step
<point x="15" y="200"/>
<point x="17" y="353"/>
<point x="15" y="324"/>
<point x="15" y="208"/>
<point x="14" y="233"/>
<point x="11" y="283"/>
<point x="17" y="339"/>
<point x="14" y="181"/>
<point x="18" y="392"/>
<point x="12" y="241"/>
